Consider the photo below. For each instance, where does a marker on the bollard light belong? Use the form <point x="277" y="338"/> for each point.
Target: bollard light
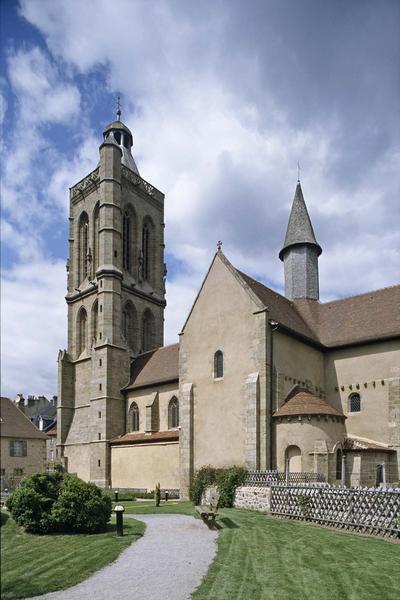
<point x="116" y="495"/>
<point x="119" y="513"/>
<point x="166" y="495"/>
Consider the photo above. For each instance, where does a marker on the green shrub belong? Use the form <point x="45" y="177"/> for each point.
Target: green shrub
<point x="81" y="506"/>
<point x="204" y="478"/>
<point x="144" y="495"/>
<point x="123" y="495"/>
<point x="31" y="504"/>
<point x="49" y="502"/>
<point x="157" y="495"/>
<point x="225" y="480"/>
<point x="228" y="481"/>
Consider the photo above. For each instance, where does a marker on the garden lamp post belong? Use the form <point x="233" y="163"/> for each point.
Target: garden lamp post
<point x="119" y="513"/>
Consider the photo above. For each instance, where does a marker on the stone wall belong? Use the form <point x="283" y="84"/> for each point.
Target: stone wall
<point x="253" y="498"/>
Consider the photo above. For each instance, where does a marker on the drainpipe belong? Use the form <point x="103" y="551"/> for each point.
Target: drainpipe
<point x="273" y="327"/>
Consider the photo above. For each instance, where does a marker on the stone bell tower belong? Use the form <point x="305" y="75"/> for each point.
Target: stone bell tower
<point x="115" y="298"/>
<point x="300" y="253"/>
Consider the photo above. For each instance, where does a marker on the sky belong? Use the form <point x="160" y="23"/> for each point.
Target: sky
<point x="224" y="97"/>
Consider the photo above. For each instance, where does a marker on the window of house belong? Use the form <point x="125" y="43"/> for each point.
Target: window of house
<point x="18" y="448"/>
<point x="18" y="472"/>
<point x="218" y="364"/>
<point x="83" y="240"/>
<point x="339" y="464"/>
<point x="146" y="251"/>
<point x="126" y="240"/>
<point x="130" y="325"/>
<point x="173" y="413"/>
<point x="148" y="331"/>
<point x="134" y="417"/>
<point x="354" y="402"/>
<point x="2" y="472"/>
<point x="81" y="331"/>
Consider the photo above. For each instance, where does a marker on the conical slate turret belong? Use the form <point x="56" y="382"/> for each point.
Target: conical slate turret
<point x="299" y="229"/>
<point x="300" y="253"/>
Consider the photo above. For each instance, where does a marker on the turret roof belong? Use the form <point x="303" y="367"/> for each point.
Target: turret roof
<point x="299" y="229"/>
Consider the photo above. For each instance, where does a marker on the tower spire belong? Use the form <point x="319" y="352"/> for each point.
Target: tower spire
<point x="300" y="252"/>
<point x="118" y="108"/>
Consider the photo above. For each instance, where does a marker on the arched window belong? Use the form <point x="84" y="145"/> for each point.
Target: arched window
<point x="96" y="226"/>
<point x="218" y="364"/>
<point x="339" y="464"/>
<point x="146" y="251"/>
<point x="83" y="241"/>
<point x="95" y="321"/>
<point x="130" y="326"/>
<point x="127" y="240"/>
<point x="354" y="402"/>
<point x="81" y="331"/>
<point x="134" y="417"/>
<point x="148" y="331"/>
<point x="293" y="459"/>
<point x="173" y="413"/>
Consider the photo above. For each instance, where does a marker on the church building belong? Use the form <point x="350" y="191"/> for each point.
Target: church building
<point x="257" y="380"/>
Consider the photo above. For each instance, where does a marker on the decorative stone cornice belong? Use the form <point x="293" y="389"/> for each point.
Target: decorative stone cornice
<point x="86" y="185"/>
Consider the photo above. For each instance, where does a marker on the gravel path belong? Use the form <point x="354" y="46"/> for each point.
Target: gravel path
<point x="167" y="563"/>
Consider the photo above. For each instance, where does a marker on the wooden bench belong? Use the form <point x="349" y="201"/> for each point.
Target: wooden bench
<point x="209" y="511"/>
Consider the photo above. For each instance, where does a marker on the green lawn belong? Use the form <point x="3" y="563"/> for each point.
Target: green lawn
<point x="262" y="558"/>
<point x="32" y="565"/>
<point x="148" y="507"/>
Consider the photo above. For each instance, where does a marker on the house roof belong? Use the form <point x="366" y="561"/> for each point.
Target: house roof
<point x="355" y="319"/>
<point x="155" y="367"/>
<point x="13" y="422"/>
<point x="302" y="402"/>
<point x="147" y="438"/>
<point x="352" y="444"/>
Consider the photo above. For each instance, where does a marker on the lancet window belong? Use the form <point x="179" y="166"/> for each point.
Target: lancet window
<point x="83" y="240"/>
<point x="134" y="417"/>
<point x="173" y="413"/>
<point x="129" y="325"/>
<point x="81" y="331"/>
<point x="148" y="331"/>
<point x="218" y="364"/>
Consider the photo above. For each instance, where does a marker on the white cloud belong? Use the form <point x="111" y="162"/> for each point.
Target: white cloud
<point x="33" y="326"/>
<point x="222" y="106"/>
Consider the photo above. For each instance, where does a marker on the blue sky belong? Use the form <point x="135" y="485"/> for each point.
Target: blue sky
<point x="223" y="97"/>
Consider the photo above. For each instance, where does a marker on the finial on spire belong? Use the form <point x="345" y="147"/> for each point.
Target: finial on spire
<point x="118" y="109"/>
<point x="219" y="245"/>
<point x="298" y="172"/>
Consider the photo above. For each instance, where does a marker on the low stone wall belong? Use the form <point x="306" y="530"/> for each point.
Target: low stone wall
<point x="253" y="498"/>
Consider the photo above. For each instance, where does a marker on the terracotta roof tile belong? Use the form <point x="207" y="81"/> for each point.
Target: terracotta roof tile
<point x="13" y="422"/>
<point x="356" y="319"/>
<point x="147" y="438"/>
<point x="302" y="402"/>
<point x="155" y="367"/>
<point x="359" y="445"/>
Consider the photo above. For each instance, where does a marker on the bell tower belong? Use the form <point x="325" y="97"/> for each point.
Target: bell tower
<point x="115" y="298"/>
<point x="300" y="253"/>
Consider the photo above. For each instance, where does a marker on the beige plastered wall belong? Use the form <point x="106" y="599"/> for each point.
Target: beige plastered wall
<point x="368" y="370"/>
<point x="296" y="363"/>
<point x="222" y="319"/>
<point x="34" y="461"/>
<point x="309" y="434"/>
<point x="145" y="396"/>
<point x="144" y="465"/>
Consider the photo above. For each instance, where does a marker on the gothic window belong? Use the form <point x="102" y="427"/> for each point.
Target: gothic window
<point x="146" y="250"/>
<point x="96" y="222"/>
<point x="134" y="417"/>
<point x="129" y="325"/>
<point x="148" y="331"/>
<point x="354" y="402"/>
<point x="338" y="464"/>
<point x="95" y="321"/>
<point x="218" y="364"/>
<point x="173" y="413"/>
<point x="126" y="240"/>
<point x="83" y="241"/>
<point x="18" y="448"/>
<point x="81" y="331"/>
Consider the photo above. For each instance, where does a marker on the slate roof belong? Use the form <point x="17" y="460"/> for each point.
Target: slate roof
<point x="359" y="445"/>
<point x="356" y="319"/>
<point x="146" y="438"/>
<point x="157" y="366"/>
<point x="302" y="402"/>
<point x="13" y="422"/>
<point x="299" y="229"/>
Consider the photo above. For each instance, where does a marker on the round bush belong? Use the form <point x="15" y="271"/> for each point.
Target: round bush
<point x="53" y="502"/>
